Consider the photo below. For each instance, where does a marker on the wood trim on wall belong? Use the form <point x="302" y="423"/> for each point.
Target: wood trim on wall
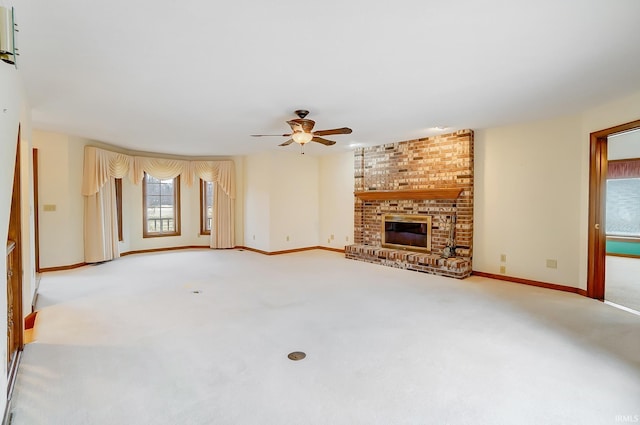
<point x="632" y="239"/>
<point x="60" y="268"/>
<point x="289" y="251"/>
<point x="172" y="248"/>
<point x="531" y="282"/>
<point x="175" y="248"/>
<point x="609" y="254"/>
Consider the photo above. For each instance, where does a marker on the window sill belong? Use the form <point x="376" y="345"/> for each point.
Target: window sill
<point x="159" y="235"/>
<point x="635" y="239"/>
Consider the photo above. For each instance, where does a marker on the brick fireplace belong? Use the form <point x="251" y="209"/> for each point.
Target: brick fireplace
<point x="430" y="177"/>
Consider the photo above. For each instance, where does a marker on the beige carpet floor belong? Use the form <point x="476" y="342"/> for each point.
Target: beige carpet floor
<point x="129" y="342"/>
<point x="622" y="282"/>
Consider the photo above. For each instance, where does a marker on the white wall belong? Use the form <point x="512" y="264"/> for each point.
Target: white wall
<point x="295" y="219"/>
<point x="239" y="202"/>
<point x="28" y="215"/>
<point x="14" y="113"/>
<point x="257" y="201"/>
<point x="281" y="201"/>
<point x="336" y="200"/>
<point x="60" y="162"/>
<point x="527" y="199"/>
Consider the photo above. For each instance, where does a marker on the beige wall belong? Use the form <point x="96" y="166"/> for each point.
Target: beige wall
<point x="257" y="201"/>
<point x="294" y="218"/>
<point x="60" y="159"/>
<point x="281" y="200"/>
<point x="532" y="193"/>
<point x="527" y="199"/>
<point x="336" y="199"/>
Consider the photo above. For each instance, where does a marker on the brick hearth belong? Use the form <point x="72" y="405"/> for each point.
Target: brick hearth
<point x="426" y="174"/>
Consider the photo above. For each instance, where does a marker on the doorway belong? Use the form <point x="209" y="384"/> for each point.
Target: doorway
<point x="597" y="235"/>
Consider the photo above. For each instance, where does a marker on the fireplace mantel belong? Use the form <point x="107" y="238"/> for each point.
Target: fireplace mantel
<point x="414" y="194"/>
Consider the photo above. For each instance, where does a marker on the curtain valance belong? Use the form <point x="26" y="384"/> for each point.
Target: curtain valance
<point x="623" y="169"/>
<point x="100" y="165"/>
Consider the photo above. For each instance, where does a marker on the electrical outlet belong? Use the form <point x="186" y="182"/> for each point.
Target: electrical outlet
<point x="346" y="239"/>
<point x="503" y="258"/>
<point x="332" y="237"/>
<point x="328" y="240"/>
<point x="254" y="237"/>
<point x="552" y="264"/>
<point x="287" y="238"/>
<point x="503" y="269"/>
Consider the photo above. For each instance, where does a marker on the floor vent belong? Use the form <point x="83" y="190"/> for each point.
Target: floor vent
<point x="297" y="355"/>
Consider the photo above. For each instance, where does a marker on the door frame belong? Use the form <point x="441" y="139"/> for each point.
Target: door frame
<point x="15" y="318"/>
<point x="597" y="208"/>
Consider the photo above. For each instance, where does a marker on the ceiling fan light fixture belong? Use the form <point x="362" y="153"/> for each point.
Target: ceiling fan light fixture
<point x="301" y="137"/>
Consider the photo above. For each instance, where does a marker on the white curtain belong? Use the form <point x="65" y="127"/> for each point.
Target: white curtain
<point x="101" y="224"/>
<point x="223" y="223"/>
<point x="222" y="174"/>
<point x="101" y="167"/>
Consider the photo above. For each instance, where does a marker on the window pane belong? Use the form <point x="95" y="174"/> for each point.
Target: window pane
<point x="206" y="206"/>
<point x="167" y="188"/>
<point x="161" y="206"/>
<point x="209" y="204"/>
<point x="153" y="201"/>
<point x="623" y="207"/>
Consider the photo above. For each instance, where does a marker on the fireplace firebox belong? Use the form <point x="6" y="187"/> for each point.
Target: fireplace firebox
<point x="406" y="231"/>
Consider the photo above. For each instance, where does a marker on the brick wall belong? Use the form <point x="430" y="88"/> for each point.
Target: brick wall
<point x="439" y="162"/>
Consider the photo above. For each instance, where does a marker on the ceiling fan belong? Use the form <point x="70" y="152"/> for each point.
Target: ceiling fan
<point x="302" y="131"/>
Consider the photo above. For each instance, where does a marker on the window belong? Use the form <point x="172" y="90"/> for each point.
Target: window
<point x="119" y="208"/>
<point x="206" y="207"/>
<point x="161" y="209"/>
<point x="623" y="207"/>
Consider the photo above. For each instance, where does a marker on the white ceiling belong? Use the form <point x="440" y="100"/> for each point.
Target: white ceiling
<point x="198" y="77"/>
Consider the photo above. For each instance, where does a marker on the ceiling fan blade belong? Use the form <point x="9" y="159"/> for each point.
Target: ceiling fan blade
<point x="343" y="130"/>
<point x="323" y="141"/>
<point x="287" y="143"/>
<point x="270" y="135"/>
